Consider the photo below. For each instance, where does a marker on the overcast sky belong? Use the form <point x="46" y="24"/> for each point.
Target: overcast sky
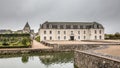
<point x="15" y="13"/>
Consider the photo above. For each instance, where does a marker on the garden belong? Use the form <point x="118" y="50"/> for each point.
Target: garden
<point x="15" y="40"/>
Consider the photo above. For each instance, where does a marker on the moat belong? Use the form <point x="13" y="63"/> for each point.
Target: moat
<point x="38" y="60"/>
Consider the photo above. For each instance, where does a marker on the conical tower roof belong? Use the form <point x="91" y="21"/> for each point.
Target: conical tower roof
<point x="27" y="25"/>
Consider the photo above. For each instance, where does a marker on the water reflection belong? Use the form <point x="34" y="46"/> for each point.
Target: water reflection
<point x="40" y="60"/>
<point x="25" y="58"/>
<point x="52" y="58"/>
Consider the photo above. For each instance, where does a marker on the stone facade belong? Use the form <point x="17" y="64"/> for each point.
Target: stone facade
<point x="71" y="31"/>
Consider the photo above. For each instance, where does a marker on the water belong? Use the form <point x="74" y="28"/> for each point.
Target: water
<point x="40" y="60"/>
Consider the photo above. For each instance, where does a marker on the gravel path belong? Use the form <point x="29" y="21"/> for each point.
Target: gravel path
<point x="38" y="45"/>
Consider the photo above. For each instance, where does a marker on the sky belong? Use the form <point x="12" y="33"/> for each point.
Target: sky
<point x="15" y="13"/>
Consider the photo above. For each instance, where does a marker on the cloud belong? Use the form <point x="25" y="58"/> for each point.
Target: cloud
<point x="15" y="13"/>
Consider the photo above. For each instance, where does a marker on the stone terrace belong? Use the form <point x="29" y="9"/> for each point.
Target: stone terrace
<point x="85" y="42"/>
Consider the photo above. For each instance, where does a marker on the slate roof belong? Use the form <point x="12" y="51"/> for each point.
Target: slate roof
<point x="27" y="25"/>
<point x="71" y="25"/>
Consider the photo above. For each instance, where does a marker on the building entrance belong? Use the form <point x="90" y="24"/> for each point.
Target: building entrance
<point x="71" y="37"/>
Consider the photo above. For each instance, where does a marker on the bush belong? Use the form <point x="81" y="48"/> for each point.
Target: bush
<point x="37" y="38"/>
<point x="26" y="41"/>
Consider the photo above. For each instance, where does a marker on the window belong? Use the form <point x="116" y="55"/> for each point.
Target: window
<point x="100" y="37"/>
<point x="84" y="37"/>
<point x="75" y="26"/>
<point x="44" y="32"/>
<point x="44" y="26"/>
<point x="95" y="26"/>
<point x="81" y="26"/>
<point x="58" y="37"/>
<point x="95" y="32"/>
<point x="95" y="37"/>
<point x="50" y="38"/>
<point x="71" y="32"/>
<point x="64" y="37"/>
<point x="64" y="32"/>
<point x="78" y="37"/>
<point x="58" y="32"/>
<point x="84" y="27"/>
<point x="50" y="32"/>
<point x="100" y="32"/>
<point x="61" y="27"/>
<point x="78" y="32"/>
<point x="68" y="26"/>
<point x="47" y="25"/>
<point x="45" y="38"/>
<point x="84" y="32"/>
<point x="54" y="26"/>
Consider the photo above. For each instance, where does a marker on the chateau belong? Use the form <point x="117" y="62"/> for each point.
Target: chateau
<point x="71" y="31"/>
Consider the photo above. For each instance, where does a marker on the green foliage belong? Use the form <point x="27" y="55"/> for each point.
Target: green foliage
<point x="14" y="40"/>
<point x="5" y="42"/>
<point x="25" y="58"/>
<point x="37" y="38"/>
<point x="115" y="36"/>
<point x="26" y="41"/>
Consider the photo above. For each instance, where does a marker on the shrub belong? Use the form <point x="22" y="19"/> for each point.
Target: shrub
<point x="26" y="41"/>
<point x="37" y="38"/>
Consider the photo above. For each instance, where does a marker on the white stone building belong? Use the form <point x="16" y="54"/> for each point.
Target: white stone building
<point x="71" y="31"/>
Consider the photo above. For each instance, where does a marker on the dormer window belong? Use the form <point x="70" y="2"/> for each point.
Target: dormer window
<point x="44" y="26"/>
<point x="50" y="26"/>
<point x="95" y="26"/>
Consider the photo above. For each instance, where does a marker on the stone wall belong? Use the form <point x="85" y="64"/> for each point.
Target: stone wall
<point x="24" y="50"/>
<point x="84" y="59"/>
<point x="72" y="47"/>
